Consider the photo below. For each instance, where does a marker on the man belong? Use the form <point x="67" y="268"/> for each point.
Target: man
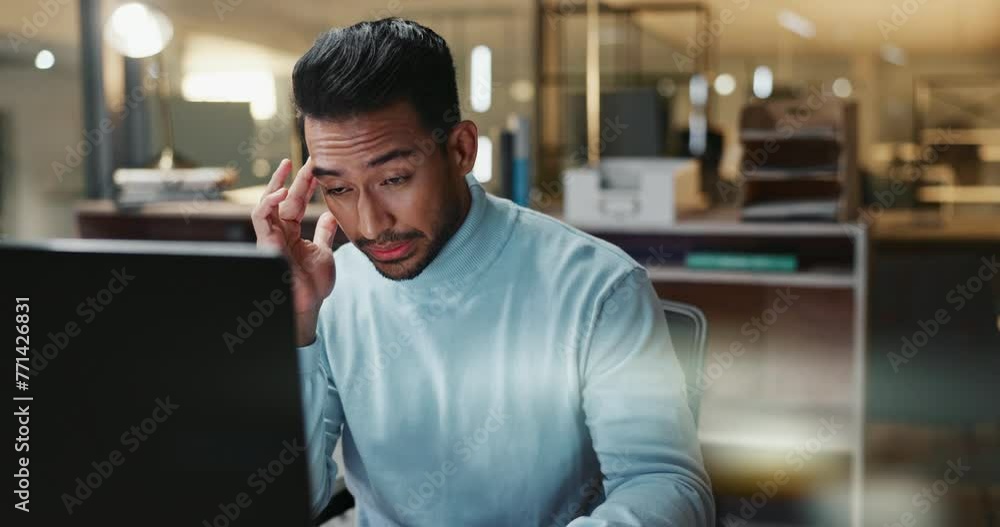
<point x="483" y="364"/>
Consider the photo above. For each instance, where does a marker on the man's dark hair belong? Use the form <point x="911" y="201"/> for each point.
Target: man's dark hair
<point x="371" y="65"/>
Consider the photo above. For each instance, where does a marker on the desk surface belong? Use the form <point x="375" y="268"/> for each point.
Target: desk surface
<point x="893" y="225"/>
<point x="215" y="209"/>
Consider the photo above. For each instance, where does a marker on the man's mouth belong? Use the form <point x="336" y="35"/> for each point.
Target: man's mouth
<point x="390" y="251"/>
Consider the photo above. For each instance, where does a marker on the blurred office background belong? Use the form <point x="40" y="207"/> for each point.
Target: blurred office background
<point x="834" y="166"/>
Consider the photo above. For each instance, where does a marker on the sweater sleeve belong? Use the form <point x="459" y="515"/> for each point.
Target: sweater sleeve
<point x="635" y="402"/>
<point x="324" y="419"/>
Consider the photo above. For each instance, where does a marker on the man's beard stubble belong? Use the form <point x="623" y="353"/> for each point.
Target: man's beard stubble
<point x="450" y="221"/>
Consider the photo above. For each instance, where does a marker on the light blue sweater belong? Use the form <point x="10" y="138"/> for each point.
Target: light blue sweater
<point x="524" y="378"/>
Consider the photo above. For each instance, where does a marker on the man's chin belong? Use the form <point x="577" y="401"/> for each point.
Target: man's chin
<point x="406" y="268"/>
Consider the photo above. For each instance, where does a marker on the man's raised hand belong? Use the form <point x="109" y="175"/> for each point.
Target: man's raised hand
<point x="277" y="221"/>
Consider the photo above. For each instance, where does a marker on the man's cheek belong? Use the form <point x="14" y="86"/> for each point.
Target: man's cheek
<point x="411" y="210"/>
<point x="347" y="227"/>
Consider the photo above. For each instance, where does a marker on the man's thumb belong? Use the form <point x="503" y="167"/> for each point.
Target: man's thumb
<point x="326" y="227"/>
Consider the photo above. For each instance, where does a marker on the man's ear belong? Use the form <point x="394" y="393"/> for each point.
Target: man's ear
<point x="463" y="145"/>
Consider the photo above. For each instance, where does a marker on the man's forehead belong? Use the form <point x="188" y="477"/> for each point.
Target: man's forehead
<point x="399" y="116"/>
<point x="345" y="140"/>
<point x="366" y="125"/>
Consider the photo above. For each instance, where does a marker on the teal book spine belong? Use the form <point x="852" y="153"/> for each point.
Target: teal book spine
<point x="742" y="261"/>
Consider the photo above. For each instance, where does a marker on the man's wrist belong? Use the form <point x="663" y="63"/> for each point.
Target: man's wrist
<point x="305" y="328"/>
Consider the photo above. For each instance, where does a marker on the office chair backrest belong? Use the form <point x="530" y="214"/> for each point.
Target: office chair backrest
<point x="689" y="335"/>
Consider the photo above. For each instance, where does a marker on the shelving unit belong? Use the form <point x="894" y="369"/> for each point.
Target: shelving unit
<point x="799" y="161"/>
<point x="833" y="279"/>
<point x="809" y="364"/>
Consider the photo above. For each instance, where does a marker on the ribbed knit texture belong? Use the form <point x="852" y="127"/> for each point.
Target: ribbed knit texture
<point x="525" y="377"/>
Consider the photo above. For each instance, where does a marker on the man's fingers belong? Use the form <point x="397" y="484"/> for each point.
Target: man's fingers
<point x="294" y="208"/>
<point x="326" y="228"/>
<point x="262" y="225"/>
<point x="268" y="203"/>
<point x="302" y="179"/>
<point x="279" y="176"/>
<point x="312" y="189"/>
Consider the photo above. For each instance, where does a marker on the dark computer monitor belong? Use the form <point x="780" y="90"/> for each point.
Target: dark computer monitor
<point x="163" y="385"/>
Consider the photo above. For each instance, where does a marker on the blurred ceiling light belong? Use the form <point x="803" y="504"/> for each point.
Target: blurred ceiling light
<point x="763" y="82"/>
<point x="893" y="54"/>
<point x="842" y="88"/>
<point x="698" y="89"/>
<point x="44" y="59"/>
<point x="796" y="23"/>
<point x="522" y="91"/>
<point x="138" y="31"/>
<point x="725" y="84"/>
<point x="255" y="87"/>
<point x="483" y="169"/>
<point x="481" y="79"/>
<point x="201" y="52"/>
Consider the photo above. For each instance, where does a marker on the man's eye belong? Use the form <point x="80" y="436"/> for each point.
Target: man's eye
<point x="336" y="191"/>
<point x="396" y="180"/>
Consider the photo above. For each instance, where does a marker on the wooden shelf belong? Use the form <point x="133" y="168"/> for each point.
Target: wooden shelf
<point x="726" y="222"/>
<point x="802" y="134"/>
<point x="821" y="279"/>
<point x="793" y="175"/>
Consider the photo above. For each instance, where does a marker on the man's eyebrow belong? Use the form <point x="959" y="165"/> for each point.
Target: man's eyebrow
<point x="322" y="172"/>
<point x="380" y="160"/>
<point x="389" y="156"/>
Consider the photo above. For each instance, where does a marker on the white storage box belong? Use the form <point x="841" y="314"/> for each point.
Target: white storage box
<point x="637" y="193"/>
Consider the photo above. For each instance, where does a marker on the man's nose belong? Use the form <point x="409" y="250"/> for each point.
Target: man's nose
<point x="373" y="218"/>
